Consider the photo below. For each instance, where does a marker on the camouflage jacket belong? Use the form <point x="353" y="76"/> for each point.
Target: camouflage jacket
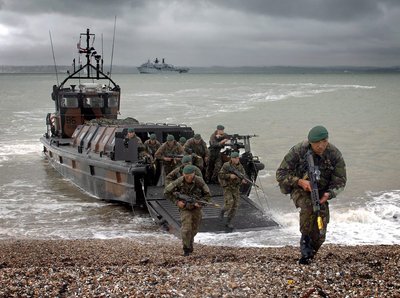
<point x="214" y="141"/>
<point x="199" y="149"/>
<point x="224" y="175"/>
<point x="152" y="148"/>
<point x="198" y="188"/>
<point x="294" y="167"/>
<point x="176" y="173"/>
<point x="165" y="150"/>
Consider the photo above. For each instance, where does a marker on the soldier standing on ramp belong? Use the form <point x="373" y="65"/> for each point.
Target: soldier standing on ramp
<point x="231" y="185"/>
<point x="191" y="214"/>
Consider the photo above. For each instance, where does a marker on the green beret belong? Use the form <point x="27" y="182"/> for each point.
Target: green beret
<point x="131" y="130"/>
<point x="182" y="140"/>
<point x="170" y="138"/>
<point x="197" y="136"/>
<point x="189" y="169"/>
<point x="234" y="154"/>
<point x="220" y="127"/>
<point x="186" y="159"/>
<point x="153" y="136"/>
<point x="317" y="134"/>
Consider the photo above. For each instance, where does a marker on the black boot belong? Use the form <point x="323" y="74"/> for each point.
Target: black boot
<point x="306" y="250"/>
<point x="186" y="252"/>
<point x="221" y="214"/>
<point x="229" y="224"/>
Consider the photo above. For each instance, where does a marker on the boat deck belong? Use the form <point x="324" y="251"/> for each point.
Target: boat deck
<point x="249" y="216"/>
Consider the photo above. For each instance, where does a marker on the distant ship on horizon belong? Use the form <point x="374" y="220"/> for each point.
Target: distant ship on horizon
<point x="157" y="67"/>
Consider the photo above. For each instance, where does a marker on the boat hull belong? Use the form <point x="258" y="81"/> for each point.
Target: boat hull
<point x="110" y="181"/>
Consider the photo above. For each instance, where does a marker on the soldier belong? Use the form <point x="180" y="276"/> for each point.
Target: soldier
<point x="168" y="153"/>
<point x="191" y="214"/>
<point x="152" y="144"/>
<point x="132" y="135"/>
<point x="178" y="172"/>
<point x="217" y="142"/>
<point x="293" y="178"/>
<point x="182" y="141"/>
<point x="231" y="185"/>
<point x="198" y="148"/>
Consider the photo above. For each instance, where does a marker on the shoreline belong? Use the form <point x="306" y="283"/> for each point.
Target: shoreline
<point x="151" y="268"/>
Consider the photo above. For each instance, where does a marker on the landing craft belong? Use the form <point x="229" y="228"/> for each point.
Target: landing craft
<point x="86" y="143"/>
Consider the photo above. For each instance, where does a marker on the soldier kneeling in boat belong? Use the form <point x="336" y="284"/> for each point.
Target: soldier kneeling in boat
<point x="191" y="213"/>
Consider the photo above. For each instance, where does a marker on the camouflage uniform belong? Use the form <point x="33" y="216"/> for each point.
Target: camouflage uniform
<point x="166" y="150"/>
<point x="215" y="162"/>
<point x="332" y="180"/>
<point x="199" y="150"/>
<point x="191" y="217"/>
<point x="152" y="146"/>
<point x="176" y="173"/>
<point x="231" y="189"/>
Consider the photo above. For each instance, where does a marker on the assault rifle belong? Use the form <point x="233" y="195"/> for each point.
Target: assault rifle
<point x="174" y="156"/>
<point x="190" y="201"/>
<point x="238" y="174"/>
<point x="314" y="176"/>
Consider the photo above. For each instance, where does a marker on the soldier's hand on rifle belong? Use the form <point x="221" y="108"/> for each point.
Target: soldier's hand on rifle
<point x="197" y="205"/>
<point x="167" y="158"/>
<point x="304" y="184"/>
<point x="181" y="204"/>
<point x="232" y="176"/>
<point x="244" y="181"/>
<point x="324" y="198"/>
<point x="223" y="141"/>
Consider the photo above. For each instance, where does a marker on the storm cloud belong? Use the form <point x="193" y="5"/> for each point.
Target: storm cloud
<point x="206" y="33"/>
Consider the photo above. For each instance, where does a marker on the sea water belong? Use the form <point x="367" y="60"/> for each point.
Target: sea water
<point x="361" y="112"/>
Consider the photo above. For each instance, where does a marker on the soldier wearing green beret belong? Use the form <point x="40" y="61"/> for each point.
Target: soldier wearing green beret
<point x="218" y="140"/>
<point x="293" y="179"/>
<point x="131" y="134"/>
<point x="182" y="141"/>
<point x="231" y="185"/>
<point x="178" y="172"/>
<point x="199" y="151"/>
<point x="170" y="153"/>
<point x="152" y="144"/>
<point x="191" y="214"/>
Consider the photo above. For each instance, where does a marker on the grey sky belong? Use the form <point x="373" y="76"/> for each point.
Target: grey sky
<point x="206" y="32"/>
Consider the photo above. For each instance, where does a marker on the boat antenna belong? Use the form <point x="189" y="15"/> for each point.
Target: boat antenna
<point x="102" y="52"/>
<point x="112" y="51"/>
<point x="54" y="57"/>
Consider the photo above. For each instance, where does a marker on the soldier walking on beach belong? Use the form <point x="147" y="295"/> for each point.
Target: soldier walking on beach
<point x="191" y="214"/>
<point x="293" y="179"/>
<point x="217" y="142"/>
<point x="199" y="151"/>
<point x="231" y="185"/>
<point x="168" y="153"/>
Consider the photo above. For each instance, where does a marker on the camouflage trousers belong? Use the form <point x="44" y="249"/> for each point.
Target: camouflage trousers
<point x="169" y="166"/>
<point x="214" y="166"/>
<point x="231" y="201"/>
<point x="190" y="224"/>
<point x="308" y="220"/>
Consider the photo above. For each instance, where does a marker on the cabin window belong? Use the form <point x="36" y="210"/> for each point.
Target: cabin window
<point x="73" y="164"/>
<point x="61" y="159"/>
<point x="69" y="102"/>
<point x="112" y="102"/>
<point x="93" y="102"/>
<point x="91" y="170"/>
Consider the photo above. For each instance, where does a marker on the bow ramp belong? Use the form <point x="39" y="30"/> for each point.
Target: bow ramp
<point x="249" y="215"/>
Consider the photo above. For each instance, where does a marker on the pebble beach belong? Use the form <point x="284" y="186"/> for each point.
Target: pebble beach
<point x="153" y="268"/>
